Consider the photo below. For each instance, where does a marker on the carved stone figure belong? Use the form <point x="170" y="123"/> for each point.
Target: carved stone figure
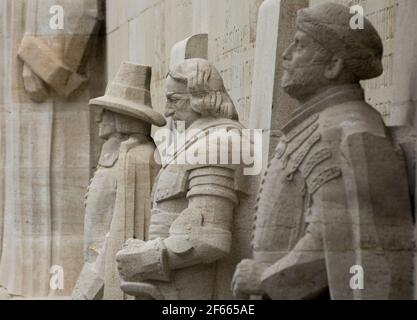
<point x="54" y="57"/>
<point x="195" y="205"/>
<point x="118" y="198"/>
<point x="333" y="216"/>
<point x="46" y="149"/>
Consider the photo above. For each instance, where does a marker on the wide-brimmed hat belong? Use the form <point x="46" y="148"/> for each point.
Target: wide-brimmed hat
<point x="129" y="94"/>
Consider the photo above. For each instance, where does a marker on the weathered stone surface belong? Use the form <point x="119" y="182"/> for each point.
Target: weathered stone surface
<point x="43" y="177"/>
<point x="232" y="38"/>
<point x="380" y="91"/>
<point x="393" y="93"/>
<point x="195" y="46"/>
<point x="47" y="154"/>
<point x="56" y="55"/>
<point x="270" y="106"/>
<point x="43" y="62"/>
<point x="335" y="195"/>
<point x="117" y="200"/>
<point x="402" y="119"/>
<point x="230" y="24"/>
<point x="195" y="234"/>
<point x="133" y="35"/>
<point x="35" y="87"/>
<point x="90" y="286"/>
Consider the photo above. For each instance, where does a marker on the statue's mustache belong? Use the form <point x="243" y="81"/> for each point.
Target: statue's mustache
<point x="169" y="113"/>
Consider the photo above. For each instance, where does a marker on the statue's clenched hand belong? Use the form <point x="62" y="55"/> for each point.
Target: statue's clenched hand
<point x="140" y="261"/>
<point x="132" y="244"/>
<point x="247" y="279"/>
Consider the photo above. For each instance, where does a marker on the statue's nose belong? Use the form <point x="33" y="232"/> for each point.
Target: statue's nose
<point x="288" y="53"/>
<point x="169" y="110"/>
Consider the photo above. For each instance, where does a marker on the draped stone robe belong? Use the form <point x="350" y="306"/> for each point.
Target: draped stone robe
<point x="117" y="208"/>
<point x="46" y="156"/>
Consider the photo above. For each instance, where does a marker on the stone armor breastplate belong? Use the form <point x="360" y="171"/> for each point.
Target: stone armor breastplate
<point x="169" y="199"/>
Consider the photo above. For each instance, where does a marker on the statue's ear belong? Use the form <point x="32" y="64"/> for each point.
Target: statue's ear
<point x="334" y="68"/>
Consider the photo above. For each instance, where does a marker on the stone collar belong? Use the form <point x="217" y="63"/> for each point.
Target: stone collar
<point x="331" y="97"/>
<point x="110" y="151"/>
<point x="111" y="148"/>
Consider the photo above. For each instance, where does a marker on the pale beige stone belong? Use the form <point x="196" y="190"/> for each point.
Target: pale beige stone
<point x="150" y="43"/>
<point x="197" y="233"/>
<point x="270" y="107"/>
<point x="232" y="39"/>
<point x="118" y="50"/>
<point x="47" y="153"/>
<point x="195" y="46"/>
<point x="117" y="200"/>
<point x="335" y="195"/>
<point x="35" y="87"/>
<point x="393" y="93"/>
<point x="379" y="92"/>
<point x="40" y="58"/>
<point x="48" y="170"/>
<point x="57" y="56"/>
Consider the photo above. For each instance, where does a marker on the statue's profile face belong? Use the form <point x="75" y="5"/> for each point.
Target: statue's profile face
<point x="178" y="105"/>
<point x="106" y="124"/>
<point x="303" y="63"/>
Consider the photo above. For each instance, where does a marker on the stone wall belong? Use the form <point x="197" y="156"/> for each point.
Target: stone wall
<point x="145" y="31"/>
<point x="48" y="150"/>
<point x="46" y="155"/>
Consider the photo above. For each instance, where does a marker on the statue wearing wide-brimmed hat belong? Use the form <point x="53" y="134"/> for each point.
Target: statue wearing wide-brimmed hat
<point x="198" y="225"/>
<point x="333" y="216"/>
<point x="118" y="198"/>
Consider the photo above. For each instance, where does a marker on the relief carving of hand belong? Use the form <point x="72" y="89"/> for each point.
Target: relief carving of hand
<point x="247" y="279"/>
<point x="34" y="86"/>
<point x="140" y="261"/>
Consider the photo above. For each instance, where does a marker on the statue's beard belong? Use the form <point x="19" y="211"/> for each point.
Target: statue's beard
<point x="302" y="82"/>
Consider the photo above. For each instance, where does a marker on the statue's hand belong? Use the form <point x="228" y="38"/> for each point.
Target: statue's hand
<point x="139" y="261"/>
<point x="34" y="86"/>
<point x="133" y="243"/>
<point x="247" y="279"/>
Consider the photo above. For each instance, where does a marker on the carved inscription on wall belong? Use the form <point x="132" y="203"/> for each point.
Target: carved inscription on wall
<point x="231" y="47"/>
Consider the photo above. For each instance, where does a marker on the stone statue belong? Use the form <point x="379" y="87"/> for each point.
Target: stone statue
<point x="47" y="147"/>
<point x="118" y="198"/>
<point x="333" y="216"/>
<point x="193" y="225"/>
<point x="54" y="57"/>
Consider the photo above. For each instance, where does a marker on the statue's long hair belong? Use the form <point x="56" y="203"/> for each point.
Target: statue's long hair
<point x="208" y="96"/>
